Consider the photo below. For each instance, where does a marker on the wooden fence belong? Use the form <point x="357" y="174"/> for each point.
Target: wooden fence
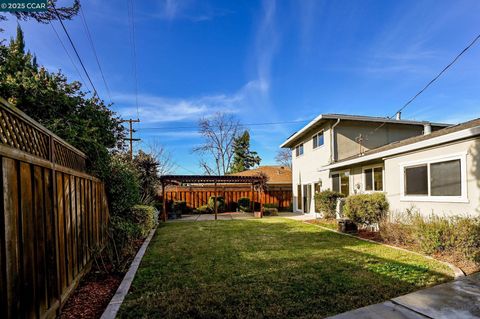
<point x="196" y="196"/>
<point x="54" y="217"/>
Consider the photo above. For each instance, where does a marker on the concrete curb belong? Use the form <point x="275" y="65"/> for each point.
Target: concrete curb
<point x="114" y="305"/>
<point x="458" y="273"/>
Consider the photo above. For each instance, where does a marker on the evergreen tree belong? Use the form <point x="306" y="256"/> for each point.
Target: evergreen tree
<point x="61" y="106"/>
<point x="243" y="158"/>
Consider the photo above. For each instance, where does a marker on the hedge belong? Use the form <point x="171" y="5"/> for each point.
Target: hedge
<point x="326" y="203"/>
<point x="366" y="208"/>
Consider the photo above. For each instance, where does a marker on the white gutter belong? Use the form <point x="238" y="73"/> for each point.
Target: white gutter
<point x="332" y="141"/>
<point x="470" y="132"/>
<point x="303" y="129"/>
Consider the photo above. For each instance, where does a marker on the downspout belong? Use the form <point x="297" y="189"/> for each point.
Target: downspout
<point x="332" y="141"/>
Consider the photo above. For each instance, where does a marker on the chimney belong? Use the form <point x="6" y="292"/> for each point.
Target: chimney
<point x="398" y="116"/>
<point x="427" y="128"/>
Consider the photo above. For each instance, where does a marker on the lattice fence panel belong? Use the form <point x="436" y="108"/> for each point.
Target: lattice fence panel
<point x="18" y="133"/>
<point x="66" y="157"/>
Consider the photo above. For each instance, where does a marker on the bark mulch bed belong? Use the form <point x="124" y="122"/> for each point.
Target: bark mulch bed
<point x="97" y="288"/>
<point x="92" y="295"/>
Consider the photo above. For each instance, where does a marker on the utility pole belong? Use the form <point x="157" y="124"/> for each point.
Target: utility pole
<point x="131" y="130"/>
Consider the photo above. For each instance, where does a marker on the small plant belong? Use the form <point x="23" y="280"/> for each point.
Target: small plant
<point x="270" y="206"/>
<point x="270" y="211"/>
<point x="244" y="204"/>
<point x="366" y="208"/>
<point x="179" y="207"/>
<point x="326" y="203"/>
<point x="204" y="209"/>
<point x="220" y="203"/>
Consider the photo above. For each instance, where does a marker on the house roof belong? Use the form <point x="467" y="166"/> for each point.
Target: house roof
<point x="446" y="135"/>
<point x="360" y="118"/>
<point x="208" y="179"/>
<point x="275" y="174"/>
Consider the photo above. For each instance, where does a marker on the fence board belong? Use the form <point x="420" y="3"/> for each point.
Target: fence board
<point x="47" y="200"/>
<point x="196" y="196"/>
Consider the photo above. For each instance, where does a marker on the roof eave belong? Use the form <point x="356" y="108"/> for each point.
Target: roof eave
<point x="438" y="140"/>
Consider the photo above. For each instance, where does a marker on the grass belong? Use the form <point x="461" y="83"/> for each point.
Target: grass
<point x="272" y="268"/>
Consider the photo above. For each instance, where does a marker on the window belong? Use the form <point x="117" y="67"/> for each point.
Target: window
<point x="441" y="179"/>
<point x="416" y="180"/>
<point x="299" y="150"/>
<point x="317" y="140"/>
<point x="341" y="183"/>
<point x="317" y="188"/>
<point x="373" y="179"/>
<point x="299" y="197"/>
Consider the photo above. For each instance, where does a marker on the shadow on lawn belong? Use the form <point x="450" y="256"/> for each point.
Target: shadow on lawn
<point x="274" y="269"/>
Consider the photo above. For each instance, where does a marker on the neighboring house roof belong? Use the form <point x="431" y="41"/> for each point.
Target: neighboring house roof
<point x="446" y="135"/>
<point x="275" y="174"/>
<point x="360" y="118"/>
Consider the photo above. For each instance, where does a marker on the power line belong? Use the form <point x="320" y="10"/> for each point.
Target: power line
<point x="131" y="20"/>
<point x="75" y="49"/>
<point x="92" y="45"/>
<point x="431" y="82"/>
<point x="247" y="124"/>
<point x="68" y="54"/>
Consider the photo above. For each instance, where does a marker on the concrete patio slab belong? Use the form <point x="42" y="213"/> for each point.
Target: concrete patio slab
<point x="456" y="299"/>
<point x="381" y="311"/>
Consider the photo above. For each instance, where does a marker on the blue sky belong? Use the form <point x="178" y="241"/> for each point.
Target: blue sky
<point x="270" y="61"/>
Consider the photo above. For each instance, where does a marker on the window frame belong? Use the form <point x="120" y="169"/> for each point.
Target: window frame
<point x="322" y="132"/>
<point x="372" y="167"/>
<point x="463" y="198"/>
<point x="349" y="175"/>
<point x="303" y="149"/>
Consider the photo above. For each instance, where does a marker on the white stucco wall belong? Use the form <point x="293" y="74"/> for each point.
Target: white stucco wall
<point x="305" y="168"/>
<point x="393" y="184"/>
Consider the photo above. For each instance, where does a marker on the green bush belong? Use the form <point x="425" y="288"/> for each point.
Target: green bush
<point x="220" y="203"/>
<point x="122" y="185"/>
<point x="204" y="209"/>
<point x="288" y="208"/>
<point x="244" y="204"/>
<point x="366" y="208"/>
<point x="270" y="211"/>
<point x="179" y="207"/>
<point x="459" y="236"/>
<point x="326" y="203"/>
<point x="144" y="217"/>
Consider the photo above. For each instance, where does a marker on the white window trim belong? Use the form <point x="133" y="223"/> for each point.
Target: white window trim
<point x="350" y="189"/>
<point x="364" y="168"/>
<point x="429" y="198"/>
<point x="295" y="149"/>
<point x="316" y="134"/>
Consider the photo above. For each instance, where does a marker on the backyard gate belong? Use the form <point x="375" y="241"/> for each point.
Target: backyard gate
<point x="54" y="217"/>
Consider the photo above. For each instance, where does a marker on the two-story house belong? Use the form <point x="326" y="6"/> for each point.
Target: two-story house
<point x="332" y="138"/>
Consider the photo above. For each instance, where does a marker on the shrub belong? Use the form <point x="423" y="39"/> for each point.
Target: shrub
<point x="366" y="208"/>
<point x="123" y="188"/>
<point x="244" y="204"/>
<point x="144" y="217"/>
<point x="326" y="202"/>
<point x="220" y="203"/>
<point x="270" y="211"/>
<point x="459" y="236"/>
<point x="203" y="209"/>
<point x="288" y="208"/>
<point x="179" y="207"/>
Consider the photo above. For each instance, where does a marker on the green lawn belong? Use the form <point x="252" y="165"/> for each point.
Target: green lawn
<point x="272" y="267"/>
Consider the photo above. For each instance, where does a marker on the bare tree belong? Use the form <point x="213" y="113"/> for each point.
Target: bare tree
<point x="166" y="165"/>
<point x="219" y="132"/>
<point x="284" y="157"/>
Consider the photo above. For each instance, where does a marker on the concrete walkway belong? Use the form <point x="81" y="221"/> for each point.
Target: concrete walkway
<point x="238" y="215"/>
<point x="456" y="299"/>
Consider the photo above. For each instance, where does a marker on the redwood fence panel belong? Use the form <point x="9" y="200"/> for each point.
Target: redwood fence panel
<point x="54" y="217"/>
<point x="196" y="196"/>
